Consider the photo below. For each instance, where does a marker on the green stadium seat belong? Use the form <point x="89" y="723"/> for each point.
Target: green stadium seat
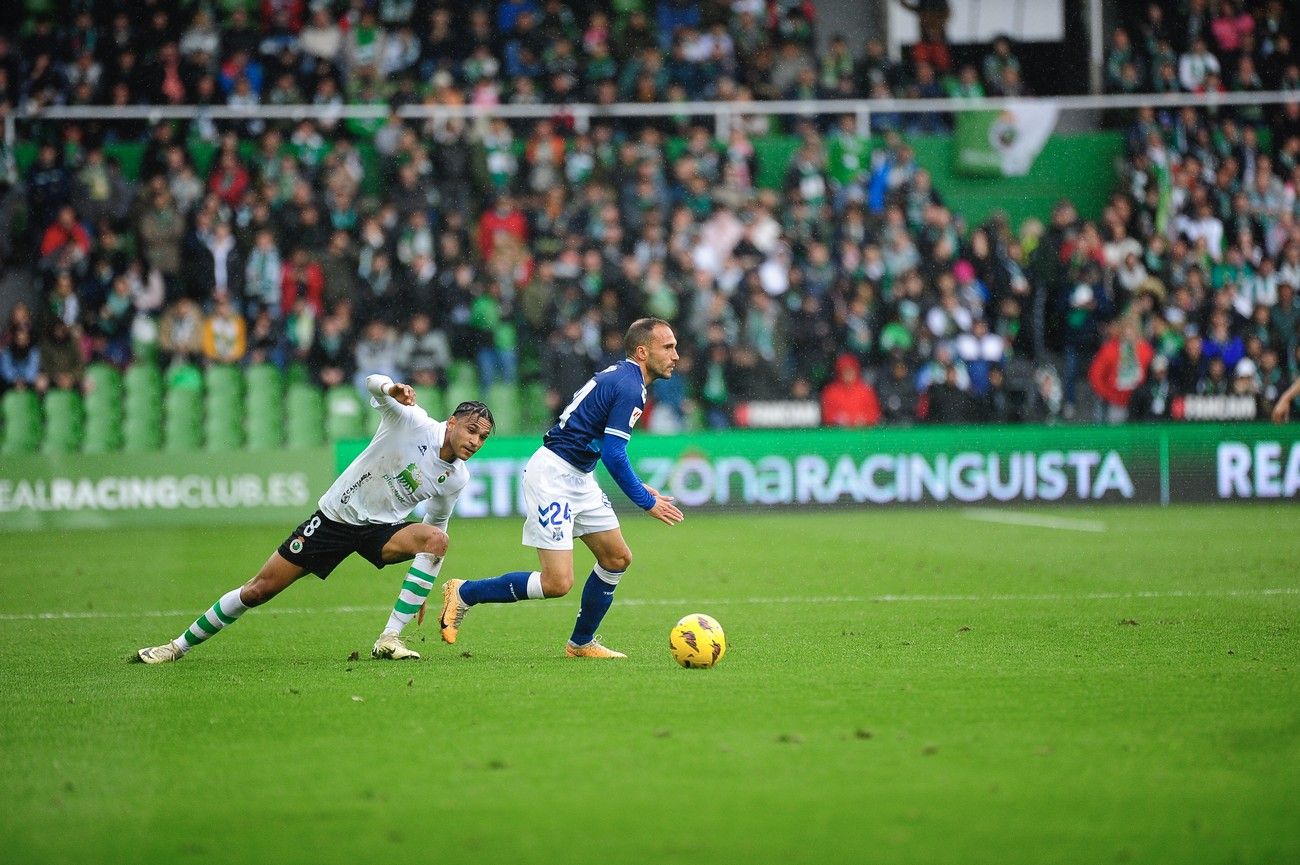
<point x="145" y="351"/>
<point x="184" y="376"/>
<point x="142" y="408"/>
<point x="504" y="401"/>
<point x="305" y="434"/>
<point x="103" y="380"/>
<point x="221" y="378"/>
<point x="64" y="422"/>
<point x="103" y="434"/>
<point x="22" y="422"/>
<point x="102" y="403"/>
<point x="344" y="418"/>
<point x="220" y="437"/>
<point x="305" y="416"/>
<point x="182" y="404"/>
<point x="462" y="375"/>
<point x="536" y="413"/>
<point x="263" y="379"/>
<point x="143" y="378"/>
<point x="431" y="399"/>
<point x="228" y="406"/>
<point x="142" y="435"/>
<point x="260" y="407"/>
<point x="297" y="373"/>
<point x="265" y="433"/>
<point x="182" y="439"/>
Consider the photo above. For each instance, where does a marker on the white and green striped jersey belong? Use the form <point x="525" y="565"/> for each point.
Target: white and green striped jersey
<point x="398" y="469"/>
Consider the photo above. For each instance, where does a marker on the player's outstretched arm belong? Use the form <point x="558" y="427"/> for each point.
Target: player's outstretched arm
<point x="613" y="453"/>
<point x="664" y="510"/>
<point x="1282" y="410"/>
<point x="382" y="385"/>
<point x="395" y="400"/>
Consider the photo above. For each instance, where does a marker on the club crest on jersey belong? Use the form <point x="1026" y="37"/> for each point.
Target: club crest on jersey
<point x="442" y="478"/>
<point x="636" y="416"/>
<point x="295" y="545"/>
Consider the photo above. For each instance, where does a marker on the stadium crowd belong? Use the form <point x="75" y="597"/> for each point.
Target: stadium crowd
<point x="525" y="247"/>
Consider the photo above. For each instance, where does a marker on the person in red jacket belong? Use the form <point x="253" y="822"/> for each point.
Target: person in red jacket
<point x="1119" y="368"/>
<point x="300" y="277"/>
<point x="848" y="400"/>
<point x="65" y="243"/>
<point x="503" y="218"/>
<point x="229" y="179"/>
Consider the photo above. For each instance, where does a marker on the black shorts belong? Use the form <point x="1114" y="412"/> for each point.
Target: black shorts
<point x="319" y="544"/>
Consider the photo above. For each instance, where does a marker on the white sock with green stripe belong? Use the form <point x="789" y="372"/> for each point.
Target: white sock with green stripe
<point x="419" y="582"/>
<point x="224" y="612"/>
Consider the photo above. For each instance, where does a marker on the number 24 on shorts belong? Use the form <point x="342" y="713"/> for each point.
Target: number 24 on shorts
<point x="552" y="515"/>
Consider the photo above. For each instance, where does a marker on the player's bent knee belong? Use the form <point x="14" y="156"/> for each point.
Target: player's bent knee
<point x="618" y="561"/>
<point x="556" y="585"/>
<point x="257" y="591"/>
<point x="437" y="543"/>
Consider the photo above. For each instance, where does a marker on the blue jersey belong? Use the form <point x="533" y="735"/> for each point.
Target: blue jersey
<point x="597" y="424"/>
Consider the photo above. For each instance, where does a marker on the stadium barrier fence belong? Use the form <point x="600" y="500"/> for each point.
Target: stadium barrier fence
<point x="733" y="470"/>
<point x="891" y="467"/>
<point x="110" y="491"/>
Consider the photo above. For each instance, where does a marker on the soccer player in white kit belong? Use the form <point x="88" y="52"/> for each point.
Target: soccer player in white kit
<point x="562" y="499"/>
<point x="411" y="459"/>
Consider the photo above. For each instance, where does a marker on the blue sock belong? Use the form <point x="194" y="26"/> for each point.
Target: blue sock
<point x="597" y="595"/>
<point x="505" y="589"/>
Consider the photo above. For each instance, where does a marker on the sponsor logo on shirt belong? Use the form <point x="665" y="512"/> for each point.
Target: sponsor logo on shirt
<point x="410" y="477"/>
<point x="406" y="481"/>
<point x="347" y="494"/>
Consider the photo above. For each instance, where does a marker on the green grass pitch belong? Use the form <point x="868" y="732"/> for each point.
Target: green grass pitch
<point x="902" y="686"/>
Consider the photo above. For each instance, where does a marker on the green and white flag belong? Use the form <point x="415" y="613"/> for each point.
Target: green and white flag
<point x="1003" y="143"/>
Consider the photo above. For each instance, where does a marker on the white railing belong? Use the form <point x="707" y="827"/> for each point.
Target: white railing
<point x="584" y="113"/>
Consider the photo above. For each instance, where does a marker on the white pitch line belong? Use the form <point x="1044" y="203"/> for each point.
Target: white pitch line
<point x="715" y="602"/>
<point x="1040" y="521"/>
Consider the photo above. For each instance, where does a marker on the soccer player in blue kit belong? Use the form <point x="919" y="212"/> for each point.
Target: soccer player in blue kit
<point x="562" y="499"/>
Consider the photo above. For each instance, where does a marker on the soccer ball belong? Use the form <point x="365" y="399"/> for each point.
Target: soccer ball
<point x="697" y="641"/>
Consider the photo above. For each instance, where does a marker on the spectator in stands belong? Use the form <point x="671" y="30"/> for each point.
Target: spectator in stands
<point x="848" y="400"/>
<point x="1153" y="399"/>
<point x="997" y="63"/>
<point x="1119" y="368"/>
<point x="112" y="331"/>
<point x="302" y="279"/>
<point x="503" y="218"/>
<point x="1196" y="65"/>
<point x="423" y="354"/>
<point x="49" y="186"/>
<point x="262" y="275"/>
<point x="180" y="335"/>
<point x="947" y="401"/>
<point x="225" y="333"/>
<point x="933" y="18"/>
<point x="65" y="245"/>
<point x="330" y="357"/>
<point x="161" y="230"/>
<point x="61" y="360"/>
<point x="375" y="351"/>
<point x="566" y="364"/>
<point x="897" y="393"/>
<point x="1122" y="74"/>
<point x="20" y="363"/>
